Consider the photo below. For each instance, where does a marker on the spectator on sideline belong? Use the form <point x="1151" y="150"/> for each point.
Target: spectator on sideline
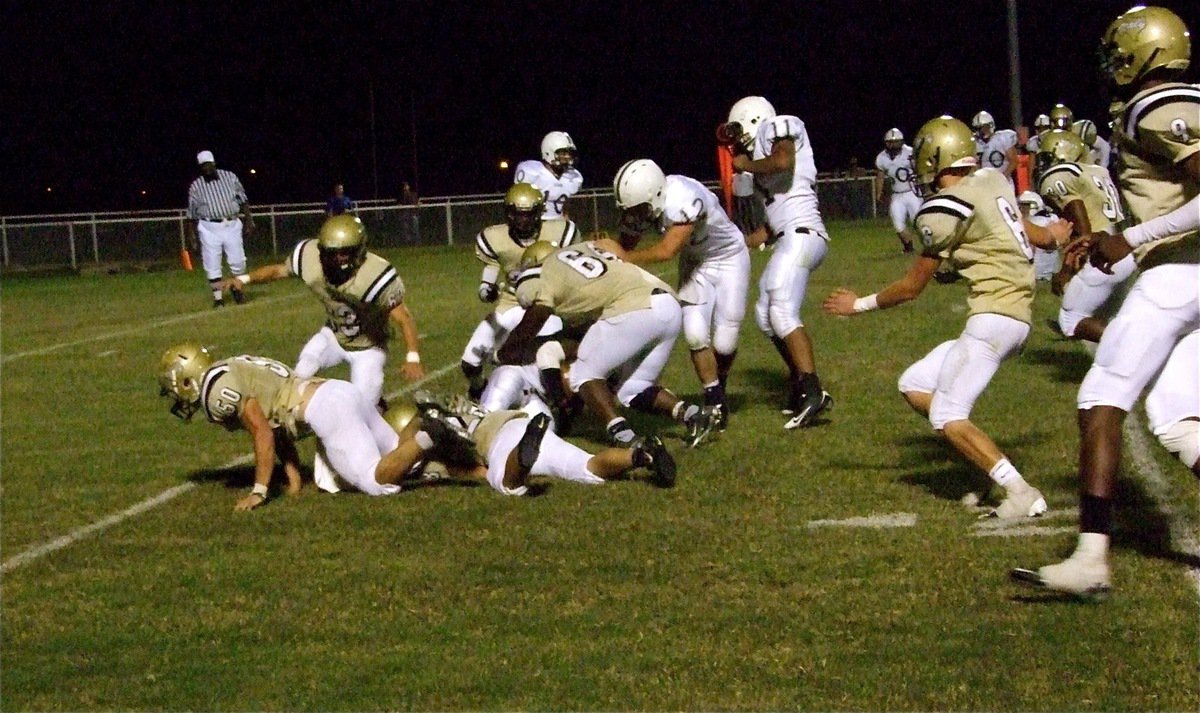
<point x="218" y="212"/>
<point x="339" y="202"/>
<point x="410" y="221"/>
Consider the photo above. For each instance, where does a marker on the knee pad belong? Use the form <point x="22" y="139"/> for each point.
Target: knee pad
<point x="1068" y="321"/>
<point x="725" y="338"/>
<point x="550" y="356"/>
<point x="784" y="317"/>
<point x="695" y="330"/>
<point x="762" y="319"/>
<point x="1183" y="440"/>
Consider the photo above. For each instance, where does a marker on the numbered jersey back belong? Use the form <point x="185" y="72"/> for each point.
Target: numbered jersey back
<point x="230" y="383"/>
<point x="977" y="226"/>
<point x="583" y="283"/>
<point x="1091" y="185"/>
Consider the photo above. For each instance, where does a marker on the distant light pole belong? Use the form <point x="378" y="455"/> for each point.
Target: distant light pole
<point x="374" y="157"/>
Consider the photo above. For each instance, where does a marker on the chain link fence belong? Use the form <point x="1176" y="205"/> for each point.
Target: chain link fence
<point x="86" y="241"/>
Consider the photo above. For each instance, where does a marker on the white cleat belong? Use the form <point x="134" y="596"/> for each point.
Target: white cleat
<point x="1085" y="578"/>
<point x="1027" y="503"/>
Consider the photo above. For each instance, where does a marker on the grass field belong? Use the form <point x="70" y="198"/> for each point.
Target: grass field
<point x="826" y="569"/>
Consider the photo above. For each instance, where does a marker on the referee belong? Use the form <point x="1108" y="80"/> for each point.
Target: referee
<point x="218" y="212"/>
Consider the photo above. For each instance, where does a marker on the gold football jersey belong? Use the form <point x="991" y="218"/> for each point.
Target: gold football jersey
<point x="975" y="224"/>
<point x="1156" y="131"/>
<point x="1091" y="185"/>
<point x="356" y="310"/>
<point x="486" y="429"/>
<point x="230" y="383"/>
<point x="584" y="283"/>
<point x="494" y="246"/>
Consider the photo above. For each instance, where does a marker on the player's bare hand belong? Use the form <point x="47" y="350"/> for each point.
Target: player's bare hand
<point x="1061" y="230"/>
<point x="412" y="370"/>
<point x="1108" y="251"/>
<point x="249" y="502"/>
<point x="614" y="247"/>
<point x="840" y="302"/>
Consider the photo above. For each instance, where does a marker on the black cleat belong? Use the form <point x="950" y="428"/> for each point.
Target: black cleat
<point x="450" y="444"/>
<point x="218" y="304"/>
<point x="530" y="444"/>
<point x="650" y="452"/>
<point x="809" y="409"/>
<point x="239" y="296"/>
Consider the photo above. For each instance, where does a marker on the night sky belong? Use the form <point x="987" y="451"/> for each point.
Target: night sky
<point x="105" y="101"/>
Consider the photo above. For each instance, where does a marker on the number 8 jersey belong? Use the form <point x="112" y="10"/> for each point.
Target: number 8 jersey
<point x="976" y="225"/>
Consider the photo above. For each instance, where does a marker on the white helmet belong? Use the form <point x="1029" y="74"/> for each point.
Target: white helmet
<point x="554" y="142"/>
<point x="1041" y="123"/>
<point x="893" y="135"/>
<point x="749" y="113"/>
<point x="640" y="181"/>
<point x="983" y="120"/>
<point x="1032" y="201"/>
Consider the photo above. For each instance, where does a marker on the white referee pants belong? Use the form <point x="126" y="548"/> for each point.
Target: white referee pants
<point x="217" y="238"/>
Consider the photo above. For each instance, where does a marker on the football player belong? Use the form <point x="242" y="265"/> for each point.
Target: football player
<point x="1041" y="125"/>
<point x="363" y="297"/>
<point x="632" y="320"/>
<point x="970" y="217"/>
<point x="714" y="263"/>
<point x="776" y="149"/>
<point x="513" y="446"/>
<point x="995" y="149"/>
<point x="1033" y="209"/>
<point x="499" y="248"/>
<point x="554" y="175"/>
<point x="276" y="406"/>
<point x="1142" y="54"/>
<point x="1061" y="117"/>
<point x="893" y="170"/>
<point x="1084" y="194"/>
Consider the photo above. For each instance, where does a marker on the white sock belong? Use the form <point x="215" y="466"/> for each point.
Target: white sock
<point x="1092" y="545"/>
<point x="423" y="440"/>
<point x="1005" y="475"/>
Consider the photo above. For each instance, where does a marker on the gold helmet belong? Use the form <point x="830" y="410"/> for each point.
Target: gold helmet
<point x="343" y="245"/>
<point x="400" y="414"/>
<point x="1061" y="117"/>
<point x="536" y="254"/>
<point x="942" y="143"/>
<point x="1057" y="146"/>
<point x="523" y="208"/>
<point x="180" y="373"/>
<point x="1141" y="41"/>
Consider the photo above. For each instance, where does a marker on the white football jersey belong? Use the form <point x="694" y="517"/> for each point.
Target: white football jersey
<point x="686" y="200"/>
<point x="790" y="199"/>
<point x="993" y="153"/>
<point x="555" y="189"/>
<point x="1101" y="153"/>
<point x="897" y="169"/>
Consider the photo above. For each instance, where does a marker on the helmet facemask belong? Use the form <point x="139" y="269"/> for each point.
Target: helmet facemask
<point x="523" y="209"/>
<point x="343" y="248"/>
<point x="181" y="371"/>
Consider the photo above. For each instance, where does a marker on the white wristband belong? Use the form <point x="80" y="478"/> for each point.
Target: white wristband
<point x="866" y="304"/>
<point x="260" y="490"/>
<point x="244" y="279"/>
<point x="413" y="358"/>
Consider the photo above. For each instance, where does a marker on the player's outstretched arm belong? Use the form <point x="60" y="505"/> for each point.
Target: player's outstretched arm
<point x="256" y="424"/>
<point x="846" y="303"/>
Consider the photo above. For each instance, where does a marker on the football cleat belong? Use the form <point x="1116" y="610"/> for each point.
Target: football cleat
<point x="700" y="424"/>
<point x="530" y="444"/>
<point x="650" y="452"/>
<point x="1026" y="503"/>
<point x="621" y="434"/>
<point x="450" y="444"/>
<point x="239" y="296"/>
<point x="807" y="411"/>
<point x="1080" y="577"/>
<point x="722" y="417"/>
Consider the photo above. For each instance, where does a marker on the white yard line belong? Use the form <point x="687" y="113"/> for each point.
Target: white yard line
<point x="132" y="330"/>
<point x="895" y="519"/>
<point x="79" y="533"/>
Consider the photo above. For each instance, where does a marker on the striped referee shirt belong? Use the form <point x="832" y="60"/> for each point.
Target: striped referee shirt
<point x="216" y="199"/>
